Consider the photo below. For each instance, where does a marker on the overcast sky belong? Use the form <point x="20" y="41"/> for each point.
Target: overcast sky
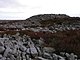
<point x="22" y="9"/>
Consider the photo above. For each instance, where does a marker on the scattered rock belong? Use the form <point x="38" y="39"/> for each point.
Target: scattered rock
<point x="48" y="49"/>
<point x="29" y="50"/>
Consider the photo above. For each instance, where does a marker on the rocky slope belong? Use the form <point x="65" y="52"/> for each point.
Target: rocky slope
<point x="16" y="47"/>
<point x="41" y="37"/>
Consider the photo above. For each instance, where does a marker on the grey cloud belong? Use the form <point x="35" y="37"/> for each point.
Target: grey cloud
<point x="9" y="3"/>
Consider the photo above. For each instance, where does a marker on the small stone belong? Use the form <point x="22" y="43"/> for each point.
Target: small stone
<point x="2" y="49"/>
<point x="48" y="49"/>
<point x="61" y="58"/>
<point x="12" y="57"/>
<point x="1" y="43"/>
<point x="22" y="48"/>
<point x="3" y="58"/>
<point x="7" y="52"/>
<point x="55" y="57"/>
<point x="0" y="56"/>
<point x="47" y="56"/>
<point x="8" y="59"/>
<point x="39" y="51"/>
<point x="23" y="56"/>
<point x="40" y="58"/>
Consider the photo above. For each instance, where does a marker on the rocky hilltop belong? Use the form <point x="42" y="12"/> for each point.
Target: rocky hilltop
<point x="40" y="37"/>
<point x="47" y="16"/>
<point x="38" y="20"/>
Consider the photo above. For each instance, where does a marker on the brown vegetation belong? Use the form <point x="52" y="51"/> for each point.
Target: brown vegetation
<point x="68" y="41"/>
